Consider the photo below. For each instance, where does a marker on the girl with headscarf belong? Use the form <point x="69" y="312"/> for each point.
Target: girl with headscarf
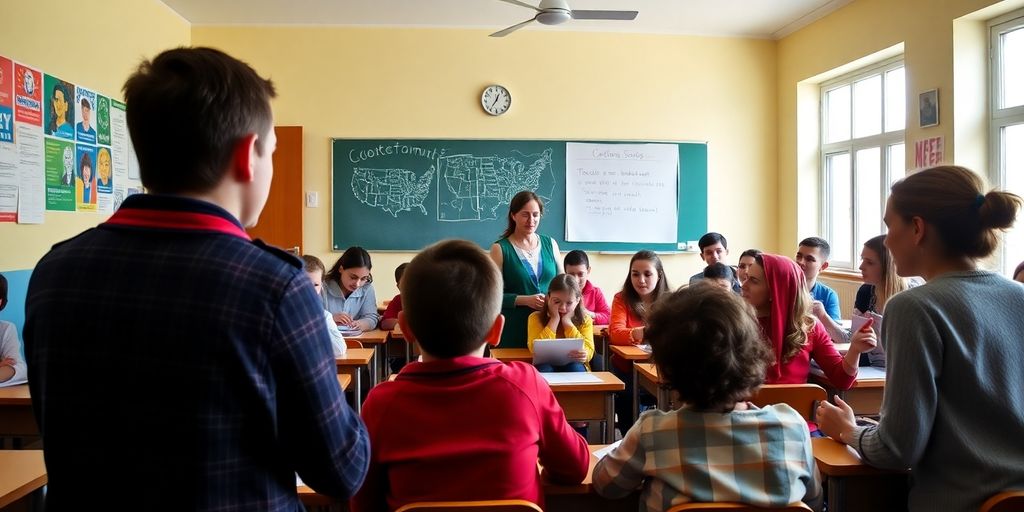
<point x="775" y="288"/>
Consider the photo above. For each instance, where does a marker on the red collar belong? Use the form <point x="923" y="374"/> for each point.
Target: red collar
<point x="171" y="219"/>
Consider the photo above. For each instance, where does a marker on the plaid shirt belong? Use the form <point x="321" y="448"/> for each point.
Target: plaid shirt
<point x="189" y="366"/>
<point x="760" y="456"/>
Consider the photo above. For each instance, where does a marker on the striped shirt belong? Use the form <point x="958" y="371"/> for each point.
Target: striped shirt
<point x="760" y="457"/>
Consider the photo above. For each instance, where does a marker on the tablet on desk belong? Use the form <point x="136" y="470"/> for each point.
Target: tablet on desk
<point x="555" y="351"/>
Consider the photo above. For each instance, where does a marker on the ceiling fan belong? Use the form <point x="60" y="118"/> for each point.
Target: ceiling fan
<point x="556" y="12"/>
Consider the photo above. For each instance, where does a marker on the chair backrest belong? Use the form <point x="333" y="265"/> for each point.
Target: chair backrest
<point x="801" y="397"/>
<point x="736" y="507"/>
<point x="353" y="343"/>
<point x="471" y="506"/>
<point x="1010" y="501"/>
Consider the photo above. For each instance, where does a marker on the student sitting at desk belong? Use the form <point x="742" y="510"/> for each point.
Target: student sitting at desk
<point x="717" y="447"/>
<point x="720" y="275"/>
<point x="775" y="288"/>
<point x="577" y="264"/>
<point x="644" y="284"/>
<point x="563" y="317"/>
<point x="812" y="257"/>
<point x="315" y="270"/>
<point x="390" y="318"/>
<point x="881" y="282"/>
<point x="955" y="376"/>
<point x="459" y="426"/>
<point x="12" y="364"/>
<point x="348" y="292"/>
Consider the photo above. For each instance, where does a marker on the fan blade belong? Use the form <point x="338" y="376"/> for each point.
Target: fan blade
<point x="513" y="28"/>
<point x="603" y="15"/>
<point x="521" y="4"/>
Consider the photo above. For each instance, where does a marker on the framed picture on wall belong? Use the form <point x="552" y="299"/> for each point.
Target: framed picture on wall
<point x="929" y="108"/>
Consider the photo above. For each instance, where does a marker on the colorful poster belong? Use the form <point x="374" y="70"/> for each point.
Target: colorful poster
<point x="85" y="178"/>
<point x="103" y="120"/>
<point x="60" y="116"/>
<point x="119" y="141"/>
<point x="60" y="174"/>
<point x="928" y="152"/>
<point x="104" y="180"/>
<point x="32" y="186"/>
<point x="8" y="182"/>
<point x="28" y="106"/>
<point x="6" y="101"/>
<point x="85" y="103"/>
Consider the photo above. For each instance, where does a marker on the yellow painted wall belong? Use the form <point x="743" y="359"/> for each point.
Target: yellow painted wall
<point x="386" y="82"/>
<point x="925" y="28"/>
<point x="95" y="43"/>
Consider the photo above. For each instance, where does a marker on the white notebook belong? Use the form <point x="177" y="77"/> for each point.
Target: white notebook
<point x="555" y="351"/>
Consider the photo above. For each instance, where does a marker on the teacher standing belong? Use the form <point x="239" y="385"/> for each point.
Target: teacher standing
<point x="527" y="262"/>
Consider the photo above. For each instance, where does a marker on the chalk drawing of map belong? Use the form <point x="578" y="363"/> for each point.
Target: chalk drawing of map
<point x="392" y="190"/>
<point x="476" y="188"/>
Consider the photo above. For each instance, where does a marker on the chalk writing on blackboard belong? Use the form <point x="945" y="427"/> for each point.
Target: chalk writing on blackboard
<point x="479" y="188"/>
<point x="392" y="190"/>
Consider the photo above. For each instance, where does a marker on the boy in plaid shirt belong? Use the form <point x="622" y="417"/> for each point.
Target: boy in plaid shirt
<point x="717" y="447"/>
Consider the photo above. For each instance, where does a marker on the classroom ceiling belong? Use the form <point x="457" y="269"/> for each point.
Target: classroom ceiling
<point x="771" y="19"/>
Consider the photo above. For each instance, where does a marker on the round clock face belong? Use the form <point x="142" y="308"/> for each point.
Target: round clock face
<point x="496" y="100"/>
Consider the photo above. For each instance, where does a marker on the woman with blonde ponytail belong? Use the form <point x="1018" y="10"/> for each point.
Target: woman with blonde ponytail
<point x="955" y="378"/>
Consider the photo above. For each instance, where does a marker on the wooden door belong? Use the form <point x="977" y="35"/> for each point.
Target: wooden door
<point x="281" y="221"/>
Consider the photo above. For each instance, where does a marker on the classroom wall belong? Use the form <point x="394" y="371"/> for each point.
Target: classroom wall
<point x="937" y="38"/>
<point x="96" y="43"/>
<point x="415" y="83"/>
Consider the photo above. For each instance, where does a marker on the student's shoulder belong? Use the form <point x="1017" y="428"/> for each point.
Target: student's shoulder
<point x="522" y="377"/>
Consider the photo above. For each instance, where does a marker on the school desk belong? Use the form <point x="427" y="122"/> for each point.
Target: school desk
<point x="646" y="375"/>
<point x="350" y="364"/>
<point x="397" y="336"/>
<point x="344" y="381"/>
<point x="22" y="472"/>
<point x="601" y="342"/>
<point x="16" y="418"/>
<point x="852" y="484"/>
<point x="591" y="401"/>
<point x="377" y="338"/>
<point x="865" y="397"/>
<point x="630" y="352"/>
<point x="507" y="355"/>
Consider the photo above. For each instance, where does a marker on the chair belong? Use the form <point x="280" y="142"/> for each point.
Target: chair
<point x="353" y="343"/>
<point x="736" y="507"/>
<point x="1009" y="501"/>
<point x="802" y="397"/>
<point x="471" y="506"/>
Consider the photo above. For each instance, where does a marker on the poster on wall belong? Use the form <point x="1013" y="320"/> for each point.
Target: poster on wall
<point x="102" y="120"/>
<point x="59" y="114"/>
<point x="85" y="103"/>
<point x="85" y="178"/>
<point x="28" y="125"/>
<point x="63" y="147"/>
<point x="60" y="175"/>
<point x="8" y="154"/>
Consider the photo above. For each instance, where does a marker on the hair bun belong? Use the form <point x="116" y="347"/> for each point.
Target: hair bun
<point x="998" y="210"/>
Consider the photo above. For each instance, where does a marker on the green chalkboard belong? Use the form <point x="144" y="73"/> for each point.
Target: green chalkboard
<point x="398" y="195"/>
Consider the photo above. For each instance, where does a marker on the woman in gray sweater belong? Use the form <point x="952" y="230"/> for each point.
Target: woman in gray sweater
<point x="953" y="410"/>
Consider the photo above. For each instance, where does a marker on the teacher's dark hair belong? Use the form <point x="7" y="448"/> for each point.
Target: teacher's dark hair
<point x="953" y="200"/>
<point x="187" y="110"/>
<point x="517" y="203"/>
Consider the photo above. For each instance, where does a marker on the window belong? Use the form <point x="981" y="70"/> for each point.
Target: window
<point x="1006" y="131"/>
<point x="863" y="116"/>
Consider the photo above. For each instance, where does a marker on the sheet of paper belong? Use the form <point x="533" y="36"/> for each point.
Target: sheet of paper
<point x="645" y="347"/>
<point x="870" y="372"/>
<point x="857" y="322"/>
<point x="606" y="450"/>
<point x="570" y="378"/>
<point x="555" y="351"/>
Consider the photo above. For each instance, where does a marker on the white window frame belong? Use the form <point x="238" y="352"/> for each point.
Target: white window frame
<point x="851" y="146"/>
<point x="1001" y="117"/>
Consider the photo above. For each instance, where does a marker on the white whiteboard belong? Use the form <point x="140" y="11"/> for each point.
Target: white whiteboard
<point x="621" y="192"/>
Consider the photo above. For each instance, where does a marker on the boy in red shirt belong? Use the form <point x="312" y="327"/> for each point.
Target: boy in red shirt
<point x="459" y="426"/>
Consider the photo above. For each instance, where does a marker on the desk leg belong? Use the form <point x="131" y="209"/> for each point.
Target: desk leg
<point x="609" y="420"/>
<point x="636" y="394"/>
<point x="408" y="351"/>
<point x="358" y="390"/>
<point x="604" y="354"/>
<point x="378" y="367"/>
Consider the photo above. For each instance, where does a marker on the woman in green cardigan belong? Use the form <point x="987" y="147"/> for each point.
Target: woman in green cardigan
<point x="527" y="261"/>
